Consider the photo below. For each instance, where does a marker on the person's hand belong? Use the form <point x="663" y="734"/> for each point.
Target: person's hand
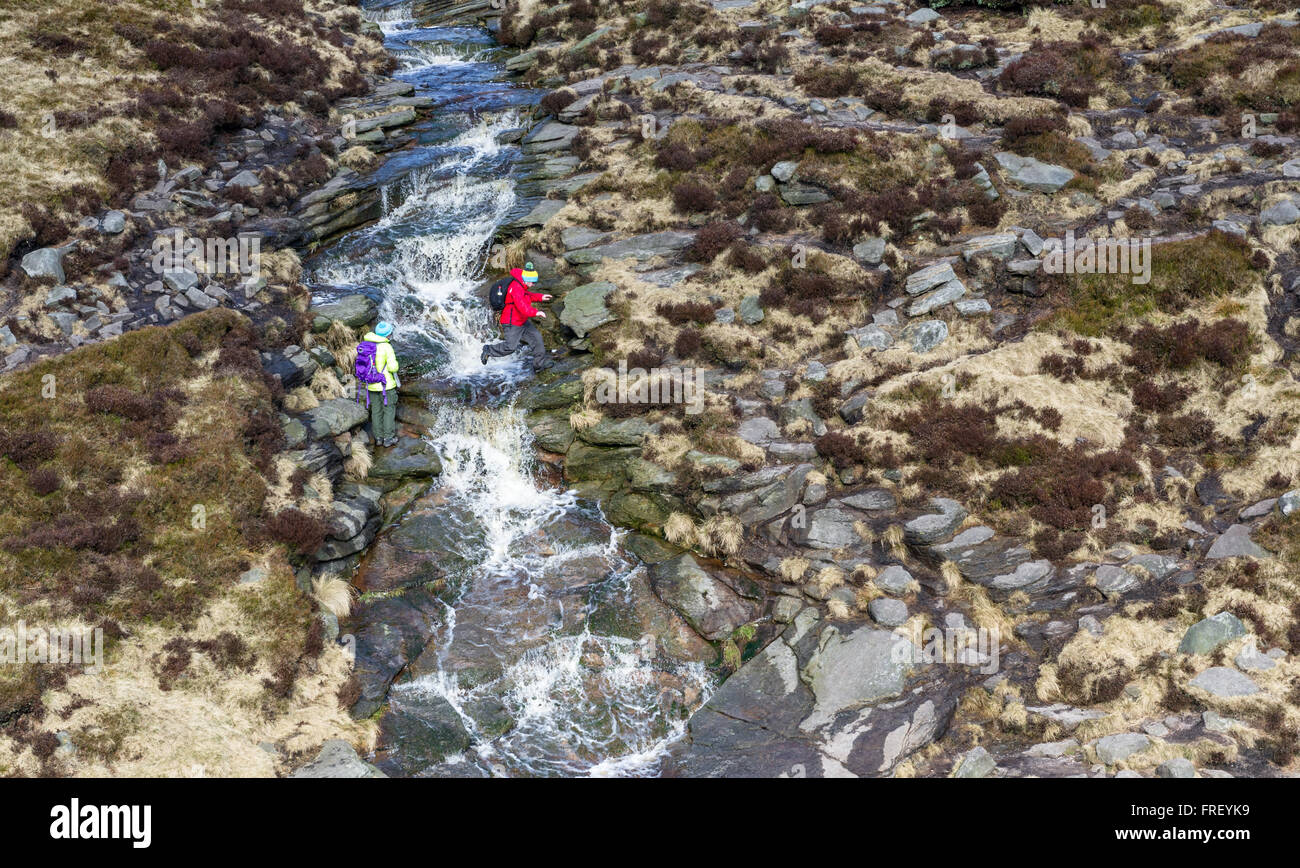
<point x="542" y="314"/>
<point x="546" y="297"/>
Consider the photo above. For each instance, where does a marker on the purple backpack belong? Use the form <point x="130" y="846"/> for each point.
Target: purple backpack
<point x="366" y="372"/>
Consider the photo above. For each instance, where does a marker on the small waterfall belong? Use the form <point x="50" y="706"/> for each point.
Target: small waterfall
<point x="582" y="703"/>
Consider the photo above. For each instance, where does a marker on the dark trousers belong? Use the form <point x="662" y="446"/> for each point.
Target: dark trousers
<point x="527" y="333"/>
<point x="383" y="417"/>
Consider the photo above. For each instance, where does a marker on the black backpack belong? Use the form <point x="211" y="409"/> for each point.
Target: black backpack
<point x="497" y="294"/>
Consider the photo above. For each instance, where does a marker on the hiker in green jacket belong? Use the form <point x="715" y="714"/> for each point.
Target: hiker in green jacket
<point x="381" y="382"/>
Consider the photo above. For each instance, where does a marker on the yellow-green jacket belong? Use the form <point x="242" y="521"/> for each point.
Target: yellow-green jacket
<point x="385" y="361"/>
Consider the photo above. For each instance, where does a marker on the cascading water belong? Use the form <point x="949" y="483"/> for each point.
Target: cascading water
<point x="529" y="559"/>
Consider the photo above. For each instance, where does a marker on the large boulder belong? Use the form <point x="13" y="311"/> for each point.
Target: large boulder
<point x="827" y="528"/>
<point x="848" y="671"/>
<point x="293" y="365"/>
<point x="352" y="310"/>
<point x="821" y="700"/>
<point x="926" y="279"/>
<point x="710" y="606"/>
<point x="45" y="264"/>
<point x="411" y="458"/>
<point x="336" y="415"/>
<point x="1033" y="174"/>
<point x="1208" y="635"/>
<point x="639" y="247"/>
<point x="551" y="430"/>
<point x="557" y="395"/>
<point x="584" y="307"/>
<point x="925" y="335"/>
<point x="1225" y="683"/>
<point x="1235" y="542"/>
<point x="935" y="527"/>
<point x="418" y="730"/>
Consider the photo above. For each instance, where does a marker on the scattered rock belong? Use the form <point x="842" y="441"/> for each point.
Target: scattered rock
<point x="1116" y="748"/>
<point x="1223" y="682"/>
<point x="1205" y="637"/>
<point x="926" y="334"/>
<point x="1236" y="542"/>
<point x="888" y="612"/>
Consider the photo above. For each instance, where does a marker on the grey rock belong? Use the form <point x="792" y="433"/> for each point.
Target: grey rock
<point x="1236" y="542"/>
<point x="758" y="430"/>
<point x="925" y="335"/>
<point x="1284" y="213"/>
<point x="828" y="528"/>
<point x="114" y="223"/>
<point x="1223" y="682"/>
<point x="585" y="308"/>
<point x="870" y="251"/>
<point x="944" y="294"/>
<point x="1001" y="245"/>
<point x="972" y="306"/>
<point x="60" y="295"/>
<point x="199" y="298"/>
<point x="935" y="527"/>
<point x="1249" y="658"/>
<point x="245" y="178"/>
<point x="577" y="237"/>
<point x="337" y="759"/>
<point x="799" y="194"/>
<point x="45" y="264"/>
<point x="893" y="580"/>
<point x="1111" y="579"/>
<point x="871" y="500"/>
<point x="888" y="612"/>
<point x="640" y="247"/>
<point x="1053" y="749"/>
<point x="929" y="277"/>
<point x="1033" y="174"/>
<point x="1158" y="566"/>
<point x="1179" y="767"/>
<point x="872" y="337"/>
<point x="1116" y="748"/>
<point x="750" y="311"/>
<point x="850" y="671"/>
<point x="975" y="763"/>
<point x="335" y="416"/>
<point x="712" y="608"/>
<point x="785" y="170"/>
<point x="354" y="310"/>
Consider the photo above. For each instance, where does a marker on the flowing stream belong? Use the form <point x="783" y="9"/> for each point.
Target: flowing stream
<point x="526" y="562"/>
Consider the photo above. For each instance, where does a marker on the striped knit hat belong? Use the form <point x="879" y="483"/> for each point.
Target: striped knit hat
<point x="530" y="273"/>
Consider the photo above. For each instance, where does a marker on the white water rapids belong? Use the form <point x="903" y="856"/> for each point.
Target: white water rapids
<point x="582" y="704"/>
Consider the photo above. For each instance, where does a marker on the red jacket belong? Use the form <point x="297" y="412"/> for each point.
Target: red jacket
<point x="519" y="301"/>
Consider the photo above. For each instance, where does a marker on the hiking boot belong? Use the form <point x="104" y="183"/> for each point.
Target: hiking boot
<point x="392" y="441"/>
<point x="544" y="365"/>
<point x="483" y="356"/>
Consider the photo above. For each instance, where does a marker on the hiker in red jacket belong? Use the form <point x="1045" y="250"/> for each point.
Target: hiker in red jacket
<point x="515" y="319"/>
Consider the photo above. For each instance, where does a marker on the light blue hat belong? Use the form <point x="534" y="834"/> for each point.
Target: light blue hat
<point x="384" y="329"/>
